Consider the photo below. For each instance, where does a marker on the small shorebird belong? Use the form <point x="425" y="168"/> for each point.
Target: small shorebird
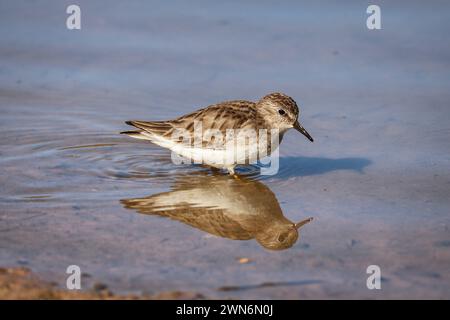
<point x="237" y="209"/>
<point x="274" y="112"/>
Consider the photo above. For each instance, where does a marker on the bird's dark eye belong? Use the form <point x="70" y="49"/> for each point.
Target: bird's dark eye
<point x="282" y="112"/>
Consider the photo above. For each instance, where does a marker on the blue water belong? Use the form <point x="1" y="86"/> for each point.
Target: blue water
<point x="376" y="179"/>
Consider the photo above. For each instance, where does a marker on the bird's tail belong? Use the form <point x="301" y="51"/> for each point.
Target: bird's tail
<point x="138" y="134"/>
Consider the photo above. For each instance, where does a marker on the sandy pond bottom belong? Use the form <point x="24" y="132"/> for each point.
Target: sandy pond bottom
<point x="376" y="179"/>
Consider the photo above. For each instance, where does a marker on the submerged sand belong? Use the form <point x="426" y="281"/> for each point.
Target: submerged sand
<point x="21" y="283"/>
<point x="376" y="179"/>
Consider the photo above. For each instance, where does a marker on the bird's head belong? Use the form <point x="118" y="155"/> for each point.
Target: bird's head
<point x="280" y="236"/>
<point x="282" y="112"/>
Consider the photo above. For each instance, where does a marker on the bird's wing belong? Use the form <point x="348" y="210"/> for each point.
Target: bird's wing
<point x="239" y="114"/>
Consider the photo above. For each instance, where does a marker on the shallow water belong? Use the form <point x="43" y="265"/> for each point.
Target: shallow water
<point x="376" y="179"/>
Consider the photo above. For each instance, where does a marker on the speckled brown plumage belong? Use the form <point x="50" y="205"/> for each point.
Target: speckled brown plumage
<point x="274" y="111"/>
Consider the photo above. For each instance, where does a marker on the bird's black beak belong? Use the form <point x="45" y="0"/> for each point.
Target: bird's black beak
<point x="302" y="130"/>
<point x="300" y="224"/>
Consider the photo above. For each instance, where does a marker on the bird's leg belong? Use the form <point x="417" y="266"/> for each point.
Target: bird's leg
<point x="235" y="176"/>
<point x="233" y="173"/>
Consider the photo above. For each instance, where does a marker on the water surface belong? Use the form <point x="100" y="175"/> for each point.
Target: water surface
<point x="376" y="179"/>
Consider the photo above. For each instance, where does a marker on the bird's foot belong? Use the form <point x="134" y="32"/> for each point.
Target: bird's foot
<point x="237" y="177"/>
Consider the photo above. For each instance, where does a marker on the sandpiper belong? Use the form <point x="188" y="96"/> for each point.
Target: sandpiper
<point x="275" y="112"/>
<point x="238" y="209"/>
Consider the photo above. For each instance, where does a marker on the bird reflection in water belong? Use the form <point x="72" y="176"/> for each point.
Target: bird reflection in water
<point x="238" y="209"/>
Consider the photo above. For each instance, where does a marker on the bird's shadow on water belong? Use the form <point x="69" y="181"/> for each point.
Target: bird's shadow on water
<point x="308" y="166"/>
